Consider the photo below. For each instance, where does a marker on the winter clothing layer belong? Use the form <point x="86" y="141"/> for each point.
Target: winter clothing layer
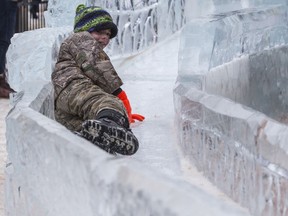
<point x="82" y="100"/>
<point x="93" y="19"/>
<point x="81" y="57"/>
<point x="84" y="80"/>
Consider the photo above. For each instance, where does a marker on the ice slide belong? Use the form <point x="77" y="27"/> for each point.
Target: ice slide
<point x="48" y="164"/>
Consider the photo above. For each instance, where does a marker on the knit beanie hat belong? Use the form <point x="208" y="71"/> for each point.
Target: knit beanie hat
<point x="93" y="19"/>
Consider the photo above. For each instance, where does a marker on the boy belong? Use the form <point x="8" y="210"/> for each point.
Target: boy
<point x="88" y="95"/>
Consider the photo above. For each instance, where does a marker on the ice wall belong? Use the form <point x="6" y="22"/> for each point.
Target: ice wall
<point x="61" y="13"/>
<point x="143" y="23"/>
<point x="140" y="23"/>
<point x="232" y="81"/>
<point x="41" y="50"/>
<point x="224" y="37"/>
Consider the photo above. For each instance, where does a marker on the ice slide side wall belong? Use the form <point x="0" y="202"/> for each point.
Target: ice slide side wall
<point x="241" y="150"/>
<point x="228" y="105"/>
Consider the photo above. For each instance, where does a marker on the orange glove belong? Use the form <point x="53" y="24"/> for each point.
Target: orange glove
<point x="123" y="97"/>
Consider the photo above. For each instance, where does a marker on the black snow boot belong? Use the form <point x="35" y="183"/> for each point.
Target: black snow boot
<point x="110" y="131"/>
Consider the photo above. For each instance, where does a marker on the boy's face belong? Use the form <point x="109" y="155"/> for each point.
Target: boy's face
<point x="102" y="36"/>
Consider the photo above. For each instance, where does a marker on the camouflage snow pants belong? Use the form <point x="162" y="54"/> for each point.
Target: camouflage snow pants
<point x="82" y="100"/>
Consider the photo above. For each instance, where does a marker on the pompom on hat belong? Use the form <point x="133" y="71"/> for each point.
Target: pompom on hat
<point x="93" y="19"/>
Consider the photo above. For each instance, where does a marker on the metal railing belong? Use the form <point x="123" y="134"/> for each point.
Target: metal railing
<point x="30" y="15"/>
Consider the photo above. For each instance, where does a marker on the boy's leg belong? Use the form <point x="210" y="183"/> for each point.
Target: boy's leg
<point x="83" y="100"/>
<point x="86" y="100"/>
<point x="100" y="113"/>
<point x="71" y="122"/>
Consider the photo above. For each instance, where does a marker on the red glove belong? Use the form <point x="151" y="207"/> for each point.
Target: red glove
<point x="123" y="97"/>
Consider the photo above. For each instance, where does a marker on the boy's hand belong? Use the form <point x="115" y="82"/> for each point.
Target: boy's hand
<point x="132" y="117"/>
<point x="137" y="117"/>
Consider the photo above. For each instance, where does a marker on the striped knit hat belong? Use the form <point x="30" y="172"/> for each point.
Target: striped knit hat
<point x="93" y="19"/>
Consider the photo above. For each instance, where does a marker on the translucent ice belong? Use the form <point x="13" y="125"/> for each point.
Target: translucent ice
<point x="232" y="81"/>
<point x="61" y="13"/>
<point x="140" y="23"/>
<point x="38" y="63"/>
<point x="214" y="41"/>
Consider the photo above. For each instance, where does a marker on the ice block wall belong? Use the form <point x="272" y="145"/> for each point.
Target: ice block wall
<point x="45" y="43"/>
<point x="140" y="23"/>
<point x="143" y="23"/>
<point x="229" y="98"/>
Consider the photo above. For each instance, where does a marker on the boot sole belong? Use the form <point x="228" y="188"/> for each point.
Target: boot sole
<point x="110" y="138"/>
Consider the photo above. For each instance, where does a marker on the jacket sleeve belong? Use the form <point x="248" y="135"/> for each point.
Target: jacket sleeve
<point x="94" y="62"/>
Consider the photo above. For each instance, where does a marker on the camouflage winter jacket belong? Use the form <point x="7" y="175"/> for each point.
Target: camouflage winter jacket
<point x="81" y="57"/>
